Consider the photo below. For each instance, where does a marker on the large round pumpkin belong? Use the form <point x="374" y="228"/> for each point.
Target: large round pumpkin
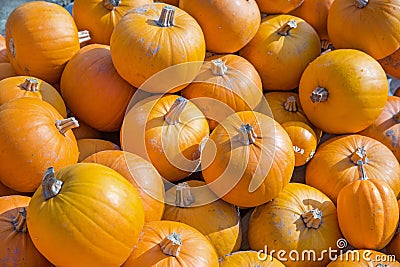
<point x="248" y="159"/>
<point x="90" y="211"/>
<point x="343" y="91"/>
<point x="249" y="258"/>
<point x="141" y="174"/>
<point x="3" y="50"/>
<point x="194" y="204"/>
<point x="299" y="218"/>
<point x="172" y="244"/>
<point x="370" y="26"/>
<point x="154" y="37"/>
<point x="278" y="6"/>
<point x="90" y="146"/>
<point x="33" y="136"/>
<point x="41" y="37"/>
<point x="280" y="51"/>
<point x="334" y="164"/>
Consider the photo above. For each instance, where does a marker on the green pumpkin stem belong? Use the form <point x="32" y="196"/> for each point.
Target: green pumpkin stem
<point x="171" y="245"/>
<point x="312" y="218"/>
<point x="184" y="197"/>
<point x="319" y="95"/>
<point x="66" y="124"/>
<point x="361" y="3"/>
<point x="167" y="17"/>
<point x="218" y="67"/>
<point x="51" y="187"/>
<point x="291" y="104"/>
<point x="359" y="156"/>
<point x="30" y="84"/>
<point x="173" y="114"/>
<point x="83" y="36"/>
<point x="19" y="222"/>
<point x="111" y="4"/>
<point x="285" y="29"/>
<point x="247" y="136"/>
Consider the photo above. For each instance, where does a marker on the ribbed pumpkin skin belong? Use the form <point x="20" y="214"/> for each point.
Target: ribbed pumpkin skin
<point x="11" y="202"/>
<point x="331" y="167"/>
<point x="151" y="48"/>
<point x="374" y="29"/>
<point x="88" y="147"/>
<point x="248" y="258"/>
<point x="393" y="248"/>
<point x="41" y="47"/>
<point x="364" y="258"/>
<point x="357" y="88"/>
<point x="96" y="218"/>
<point x="94" y="16"/>
<point x="3" y="50"/>
<point x="278" y="6"/>
<point x="278" y="224"/>
<point x="141" y="174"/>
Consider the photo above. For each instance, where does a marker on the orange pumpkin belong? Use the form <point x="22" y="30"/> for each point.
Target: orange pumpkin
<point x="343" y="91"/>
<point x="391" y="64"/>
<point x="278" y="6"/>
<point x="89" y="146"/>
<point x="224" y="85"/>
<point x="41" y="47"/>
<point x="85" y="131"/>
<point x="86" y="209"/>
<point x="3" y="50"/>
<point x="248" y="159"/>
<point x="171" y="2"/>
<point x="99" y="17"/>
<point x="6" y="70"/>
<point x="25" y="86"/>
<point x="141" y="174"/>
<point x="299" y="218"/>
<point x="33" y="136"/>
<point x="369" y="26"/>
<point x="166" y="130"/>
<point x="194" y="204"/>
<point x="172" y="244"/>
<point x="364" y="258"/>
<point x="249" y="258"/>
<point x="287" y="43"/>
<point x="93" y="90"/>
<point x="393" y="248"/>
<point x="149" y="45"/>
<point x="6" y="191"/>
<point x="334" y="164"/>
<point x="11" y="202"/>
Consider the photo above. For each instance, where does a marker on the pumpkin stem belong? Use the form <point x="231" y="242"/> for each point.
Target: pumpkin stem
<point x="171" y="245"/>
<point x="396" y="117"/>
<point x="247" y="136"/>
<point x="218" y="67"/>
<point x="363" y="173"/>
<point x="66" y="124"/>
<point x="19" y="222"/>
<point x="167" y="17"/>
<point x="319" y="95"/>
<point x="326" y="46"/>
<point x="50" y="185"/>
<point x="30" y="84"/>
<point x="312" y="218"/>
<point x="111" y="4"/>
<point x="184" y="197"/>
<point x="83" y="36"/>
<point x="291" y="104"/>
<point x="285" y="29"/>
<point x="359" y="156"/>
<point x="173" y="114"/>
<point x="361" y="3"/>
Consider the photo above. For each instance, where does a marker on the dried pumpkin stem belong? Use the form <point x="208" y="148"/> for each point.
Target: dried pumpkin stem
<point x="291" y="104"/>
<point x="326" y="46"/>
<point x="173" y="114"/>
<point x="312" y="218"/>
<point x="83" y="36"/>
<point x="19" y="222"/>
<point x="167" y="17"/>
<point x="218" y="67"/>
<point x="361" y="3"/>
<point x="319" y="95"/>
<point x="30" y="84"/>
<point x="171" y="245"/>
<point x="51" y="187"/>
<point x="359" y="156"/>
<point x="66" y="124"/>
<point x="184" y="197"/>
<point x="285" y="29"/>
<point x="247" y="136"/>
<point x="111" y="4"/>
<point x="363" y="173"/>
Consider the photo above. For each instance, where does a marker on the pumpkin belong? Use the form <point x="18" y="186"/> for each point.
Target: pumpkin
<point x="224" y="85"/>
<point x="11" y="202"/>
<point x="334" y="164"/>
<point x="282" y="41"/>
<point x="99" y="17"/>
<point x="172" y="244"/>
<point x="386" y="127"/>
<point x="393" y="248"/>
<point x="299" y="218"/>
<point x="72" y="210"/>
<point x="146" y="35"/>
<point x="364" y="258"/>
<point x="3" y="50"/>
<point x="304" y="141"/>
<point x="278" y="7"/>
<point x="85" y="131"/>
<point x="93" y="90"/>
<point x="166" y="130"/>
<point x="343" y="91"/>
<point x="171" y="2"/>
<point x="248" y="159"/>
<point x="41" y="47"/>
<point x="315" y="12"/>
<point x="227" y="25"/>
<point x="33" y="135"/>
<point x="6" y="191"/>
<point x="25" y="86"/>
<point x="194" y="204"/>
<point x="249" y="258"/>
<point x="141" y="174"/>
<point x="368" y="212"/>
<point x="370" y="26"/>
<point x="89" y="146"/>
<point x="6" y="70"/>
<point x="391" y="64"/>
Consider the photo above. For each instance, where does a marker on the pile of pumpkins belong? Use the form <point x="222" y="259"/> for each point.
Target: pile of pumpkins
<point x="200" y="133"/>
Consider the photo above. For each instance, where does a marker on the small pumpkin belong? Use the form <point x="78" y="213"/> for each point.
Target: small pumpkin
<point x="364" y="258"/>
<point x="278" y="6"/>
<point x="89" y="146"/>
<point x="172" y="244"/>
<point x="3" y="50"/>
<point x="391" y="64"/>
<point x="72" y="210"/>
<point x="6" y="70"/>
<point x="249" y="258"/>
